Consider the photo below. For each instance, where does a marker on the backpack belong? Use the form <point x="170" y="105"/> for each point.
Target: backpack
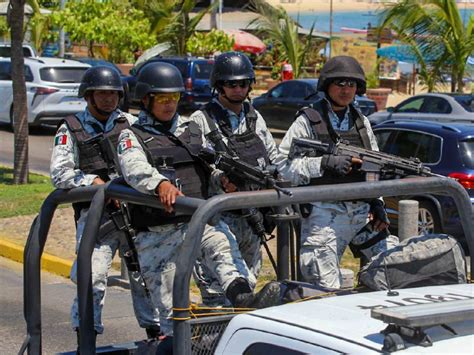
<point x="433" y="259"/>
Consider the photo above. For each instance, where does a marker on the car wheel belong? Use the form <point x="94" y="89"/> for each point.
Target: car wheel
<point x="428" y="219"/>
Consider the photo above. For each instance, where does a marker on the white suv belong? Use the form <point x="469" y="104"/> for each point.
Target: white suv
<point x="51" y="87"/>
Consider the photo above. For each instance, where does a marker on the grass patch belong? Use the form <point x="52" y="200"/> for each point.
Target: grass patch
<point x="18" y="200"/>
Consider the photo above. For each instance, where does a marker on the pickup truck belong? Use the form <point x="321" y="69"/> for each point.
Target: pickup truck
<point x="435" y="319"/>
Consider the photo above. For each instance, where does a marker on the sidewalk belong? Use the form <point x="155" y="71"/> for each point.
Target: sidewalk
<point x="59" y="251"/>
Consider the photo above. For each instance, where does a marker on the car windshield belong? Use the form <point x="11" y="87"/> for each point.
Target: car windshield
<point x="62" y="74"/>
<point x="466" y="101"/>
<point x="466" y="149"/>
<point x="202" y="70"/>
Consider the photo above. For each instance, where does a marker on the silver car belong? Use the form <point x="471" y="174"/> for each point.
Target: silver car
<point x="433" y="107"/>
<point x="51" y="88"/>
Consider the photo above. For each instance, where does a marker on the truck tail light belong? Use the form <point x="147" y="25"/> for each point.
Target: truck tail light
<point x="466" y="180"/>
<point x="188" y="84"/>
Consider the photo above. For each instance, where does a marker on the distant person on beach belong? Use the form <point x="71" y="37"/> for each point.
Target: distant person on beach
<point x="327" y="228"/>
<point x="78" y="160"/>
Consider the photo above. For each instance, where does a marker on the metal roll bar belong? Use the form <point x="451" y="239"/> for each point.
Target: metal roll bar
<point x="202" y="211"/>
<point x="190" y="247"/>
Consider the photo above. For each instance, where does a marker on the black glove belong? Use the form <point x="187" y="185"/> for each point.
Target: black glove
<point x="341" y="165"/>
<point x="378" y="211"/>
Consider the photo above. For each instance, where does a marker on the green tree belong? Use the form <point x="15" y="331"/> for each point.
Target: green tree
<point x="170" y="20"/>
<point x="206" y="44"/>
<point x="115" y="24"/>
<point x="276" y="24"/>
<point x="434" y="29"/>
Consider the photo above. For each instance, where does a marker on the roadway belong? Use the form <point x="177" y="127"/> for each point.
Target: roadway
<point x="41" y="144"/>
<point x="57" y="294"/>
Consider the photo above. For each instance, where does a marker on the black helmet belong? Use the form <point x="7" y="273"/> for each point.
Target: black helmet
<point x="158" y="77"/>
<point x="342" y="67"/>
<point x="231" y="66"/>
<point x="100" y="78"/>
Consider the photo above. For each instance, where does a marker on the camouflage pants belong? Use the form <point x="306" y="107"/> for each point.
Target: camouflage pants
<point x="219" y="263"/>
<point x="229" y="250"/>
<point x="325" y="235"/>
<point x="157" y="252"/>
<point x="102" y="256"/>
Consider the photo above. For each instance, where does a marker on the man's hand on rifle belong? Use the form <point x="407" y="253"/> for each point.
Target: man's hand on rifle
<point x="167" y="193"/>
<point x="339" y="164"/>
<point x="227" y="185"/>
<point x="378" y="216"/>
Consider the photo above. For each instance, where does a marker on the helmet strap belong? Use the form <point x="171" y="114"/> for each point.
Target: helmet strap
<point x="97" y="109"/>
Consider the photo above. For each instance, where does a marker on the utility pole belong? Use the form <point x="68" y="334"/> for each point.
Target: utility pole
<point x="330" y="29"/>
<point x="213" y="23"/>
<point x="61" y="33"/>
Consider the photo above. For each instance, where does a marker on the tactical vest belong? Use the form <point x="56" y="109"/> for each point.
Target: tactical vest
<point x="247" y="146"/>
<point x="322" y="128"/>
<point x="177" y="158"/>
<point x="96" y="152"/>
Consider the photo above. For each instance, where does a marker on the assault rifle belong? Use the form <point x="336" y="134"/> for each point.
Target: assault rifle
<point x="375" y="165"/>
<point x="242" y="173"/>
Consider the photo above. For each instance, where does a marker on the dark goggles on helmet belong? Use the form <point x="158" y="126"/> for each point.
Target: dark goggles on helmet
<point x="244" y="83"/>
<point x="342" y="83"/>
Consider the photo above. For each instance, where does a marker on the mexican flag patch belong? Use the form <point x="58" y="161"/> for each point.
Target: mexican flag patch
<point x="124" y="145"/>
<point x="60" y="140"/>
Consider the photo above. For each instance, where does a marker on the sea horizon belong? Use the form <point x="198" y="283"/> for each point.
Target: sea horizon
<point x="349" y="19"/>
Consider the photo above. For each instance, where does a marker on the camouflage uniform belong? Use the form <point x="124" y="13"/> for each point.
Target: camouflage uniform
<point x="65" y="174"/>
<point x="157" y="247"/>
<point x="248" y="243"/>
<point x="331" y="226"/>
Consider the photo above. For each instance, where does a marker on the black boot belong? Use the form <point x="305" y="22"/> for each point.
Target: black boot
<point x="241" y="296"/>
<point x="152" y="332"/>
<point x="165" y="347"/>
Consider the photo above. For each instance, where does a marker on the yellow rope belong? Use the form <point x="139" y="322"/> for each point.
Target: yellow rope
<point x="193" y="307"/>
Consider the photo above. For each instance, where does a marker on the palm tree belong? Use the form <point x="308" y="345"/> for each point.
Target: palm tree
<point x="275" y="24"/>
<point x="170" y="20"/>
<point x="434" y="29"/>
<point x="20" y="120"/>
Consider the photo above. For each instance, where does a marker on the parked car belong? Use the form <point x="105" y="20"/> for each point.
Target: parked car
<point x="434" y="107"/>
<point x="279" y="105"/>
<point x="195" y="72"/>
<point x="6" y="50"/>
<point x="94" y="62"/>
<point x="447" y="149"/>
<point x="51" y="89"/>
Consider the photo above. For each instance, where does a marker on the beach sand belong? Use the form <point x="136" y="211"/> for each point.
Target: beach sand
<point x="341" y="5"/>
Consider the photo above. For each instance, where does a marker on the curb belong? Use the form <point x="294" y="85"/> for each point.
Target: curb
<point x="49" y="262"/>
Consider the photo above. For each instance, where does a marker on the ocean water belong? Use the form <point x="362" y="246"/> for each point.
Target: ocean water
<point x="352" y="19"/>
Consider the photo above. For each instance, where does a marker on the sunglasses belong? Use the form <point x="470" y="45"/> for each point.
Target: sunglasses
<point x="165" y="98"/>
<point x="245" y="83"/>
<point x="342" y="83"/>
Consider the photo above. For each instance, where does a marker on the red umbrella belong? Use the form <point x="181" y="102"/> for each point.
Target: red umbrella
<point x="247" y="42"/>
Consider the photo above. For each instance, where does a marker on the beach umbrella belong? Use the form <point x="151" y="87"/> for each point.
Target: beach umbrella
<point x="247" y="42"/>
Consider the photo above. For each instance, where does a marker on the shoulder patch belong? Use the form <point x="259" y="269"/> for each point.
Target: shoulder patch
<point x="124" y="145"/>
<point x="60" y="139"/>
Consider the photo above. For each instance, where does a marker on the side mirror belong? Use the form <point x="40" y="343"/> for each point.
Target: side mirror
<point x="390" y="109"/>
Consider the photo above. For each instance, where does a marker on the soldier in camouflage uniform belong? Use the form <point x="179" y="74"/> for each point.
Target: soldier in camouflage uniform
<point x="158" y="156"/>
<point x="328" y="227"/>
<point x="78" y="160"/>
<point x="232" y="121"/>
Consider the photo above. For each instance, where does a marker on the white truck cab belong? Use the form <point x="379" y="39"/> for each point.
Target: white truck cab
<point x="434" y="319"/>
